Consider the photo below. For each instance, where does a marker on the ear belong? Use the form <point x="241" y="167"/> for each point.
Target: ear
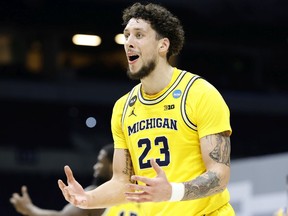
<point x="164" y="44"/>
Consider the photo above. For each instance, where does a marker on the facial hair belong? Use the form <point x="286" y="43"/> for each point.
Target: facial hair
<point x="143" y="72"/>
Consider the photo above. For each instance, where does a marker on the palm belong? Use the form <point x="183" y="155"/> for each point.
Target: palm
<point x="21" y="203"/>
<point x="73" y="192"/>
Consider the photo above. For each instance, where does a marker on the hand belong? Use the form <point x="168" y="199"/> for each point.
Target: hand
<point x="73" y="192"/>
<point x="155" y="189"/>
<point x="21" y="203"/>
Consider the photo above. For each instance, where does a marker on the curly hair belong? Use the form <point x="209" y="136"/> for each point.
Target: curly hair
<point x="161" y="20"/>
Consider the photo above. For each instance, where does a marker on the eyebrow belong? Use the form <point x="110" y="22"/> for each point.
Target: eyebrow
<point x="134" y="29"/>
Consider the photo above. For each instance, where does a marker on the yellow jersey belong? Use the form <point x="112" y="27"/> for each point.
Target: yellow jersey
<point x="281" y="212"/>
<point x="127" y="209"/>
<point x="168" y="127"/>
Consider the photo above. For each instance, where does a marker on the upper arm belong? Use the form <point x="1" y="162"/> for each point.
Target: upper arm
<point x="212" y="117"/>
<point x="208" y="110"/>
<point x="216" y="150"/>
<point x="122" y="165"/>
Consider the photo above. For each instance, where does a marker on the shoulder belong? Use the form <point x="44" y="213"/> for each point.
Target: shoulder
<point x="122" y="100"/>
<point x="205" y="93"/>
<point x="196" y="85"/>
<point x="202" y="87"/>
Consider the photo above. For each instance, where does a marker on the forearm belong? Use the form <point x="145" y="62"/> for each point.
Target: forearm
<point x="106" y="195"/>
<point x="207" y="184"/>
<point x="68" y="210"/>
<point x="33" y="210"/>
<point x="216" y="156"/>
<point x="113" y="191"/>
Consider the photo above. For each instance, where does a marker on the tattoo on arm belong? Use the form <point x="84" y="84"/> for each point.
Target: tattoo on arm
<point x="128" y="170"/>
<point x="202" y="186"/>
<point x="209" y="182"/>
<point x="221" y="152"/>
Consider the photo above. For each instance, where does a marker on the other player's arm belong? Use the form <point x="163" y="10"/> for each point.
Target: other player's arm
<point x="215" y="150"/>
<point x="24" y="205"/>
<point x="108" y="194"/>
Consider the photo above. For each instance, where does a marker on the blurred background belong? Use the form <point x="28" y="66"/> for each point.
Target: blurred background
<point x="56" y="97"/>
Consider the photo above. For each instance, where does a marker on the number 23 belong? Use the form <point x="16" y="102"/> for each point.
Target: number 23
<point x="164" y="150"/>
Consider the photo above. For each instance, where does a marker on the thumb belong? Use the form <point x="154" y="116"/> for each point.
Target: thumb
<point x="156" y="167"/>
<point x="24" y="191"/>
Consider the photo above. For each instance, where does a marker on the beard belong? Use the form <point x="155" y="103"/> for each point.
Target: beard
<point x="143" y="72"/>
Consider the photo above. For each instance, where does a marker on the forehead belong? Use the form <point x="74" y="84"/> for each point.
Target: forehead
<point x="137" y="24"/>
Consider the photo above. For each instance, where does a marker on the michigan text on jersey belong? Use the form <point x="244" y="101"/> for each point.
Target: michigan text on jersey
<point x="152" y="123"/>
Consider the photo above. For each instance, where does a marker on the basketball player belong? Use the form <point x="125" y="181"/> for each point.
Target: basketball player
<point x="281" y="212"/>
<point x="102" y="173"/>
<point x="171" y="131"/>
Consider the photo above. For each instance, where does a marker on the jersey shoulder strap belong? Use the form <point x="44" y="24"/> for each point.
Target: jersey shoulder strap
<point x="184" y="103"/>
<point x="130" y="100"/>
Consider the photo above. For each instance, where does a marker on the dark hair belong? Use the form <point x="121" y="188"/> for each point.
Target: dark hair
<point x="161" y="20"/>
<point x="109" y="149"/>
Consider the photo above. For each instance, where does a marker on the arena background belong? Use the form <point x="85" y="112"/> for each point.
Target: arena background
<point x="49" y="87"/>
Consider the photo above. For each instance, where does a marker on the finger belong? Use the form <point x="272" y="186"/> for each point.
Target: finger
<point x="133" y="194"/>
<point x="136" y="187"/>
<point x="12" y="200"/>
<point x="65" y="193"/>
<point x="138" y="197"/>
<point x="156" y="167"/>
<point x="15" y="196"/>
<point x="61" y="184"/>
<point x="143" y="179"/>
<point x="69" y="174"/>
<point x="25" y="193"/>
<point x="24" y="190"/>
<point x="64" y="190"/>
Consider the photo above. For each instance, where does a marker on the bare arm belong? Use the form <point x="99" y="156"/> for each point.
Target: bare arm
<point x="216" y="156"/>
<point x="108" y="194"/>
<point x="24" y="205"/>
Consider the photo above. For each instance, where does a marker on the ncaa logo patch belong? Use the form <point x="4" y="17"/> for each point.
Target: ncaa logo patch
<point x="177" y="93"/>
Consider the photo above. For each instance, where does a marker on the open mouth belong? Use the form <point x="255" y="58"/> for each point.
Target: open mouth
<point x="133" y="57"/>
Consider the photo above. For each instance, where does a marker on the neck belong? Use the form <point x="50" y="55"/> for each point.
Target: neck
<point x="157" y="80"/>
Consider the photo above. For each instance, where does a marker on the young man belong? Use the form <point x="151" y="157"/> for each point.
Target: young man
<point x="171" y="131"/>
<point x="102" y="173"/>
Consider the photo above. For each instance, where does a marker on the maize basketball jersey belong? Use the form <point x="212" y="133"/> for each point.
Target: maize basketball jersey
<point x="127" y="209"/>
<point x="167" y="127"/>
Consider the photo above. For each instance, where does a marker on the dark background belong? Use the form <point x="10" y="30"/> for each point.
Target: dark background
<point x="49" y="87"/>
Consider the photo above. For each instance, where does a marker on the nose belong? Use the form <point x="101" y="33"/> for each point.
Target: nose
<point x="129" y="41"/>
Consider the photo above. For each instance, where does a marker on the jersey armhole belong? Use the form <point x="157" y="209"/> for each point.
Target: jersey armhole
<point x="185" y="117"/>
